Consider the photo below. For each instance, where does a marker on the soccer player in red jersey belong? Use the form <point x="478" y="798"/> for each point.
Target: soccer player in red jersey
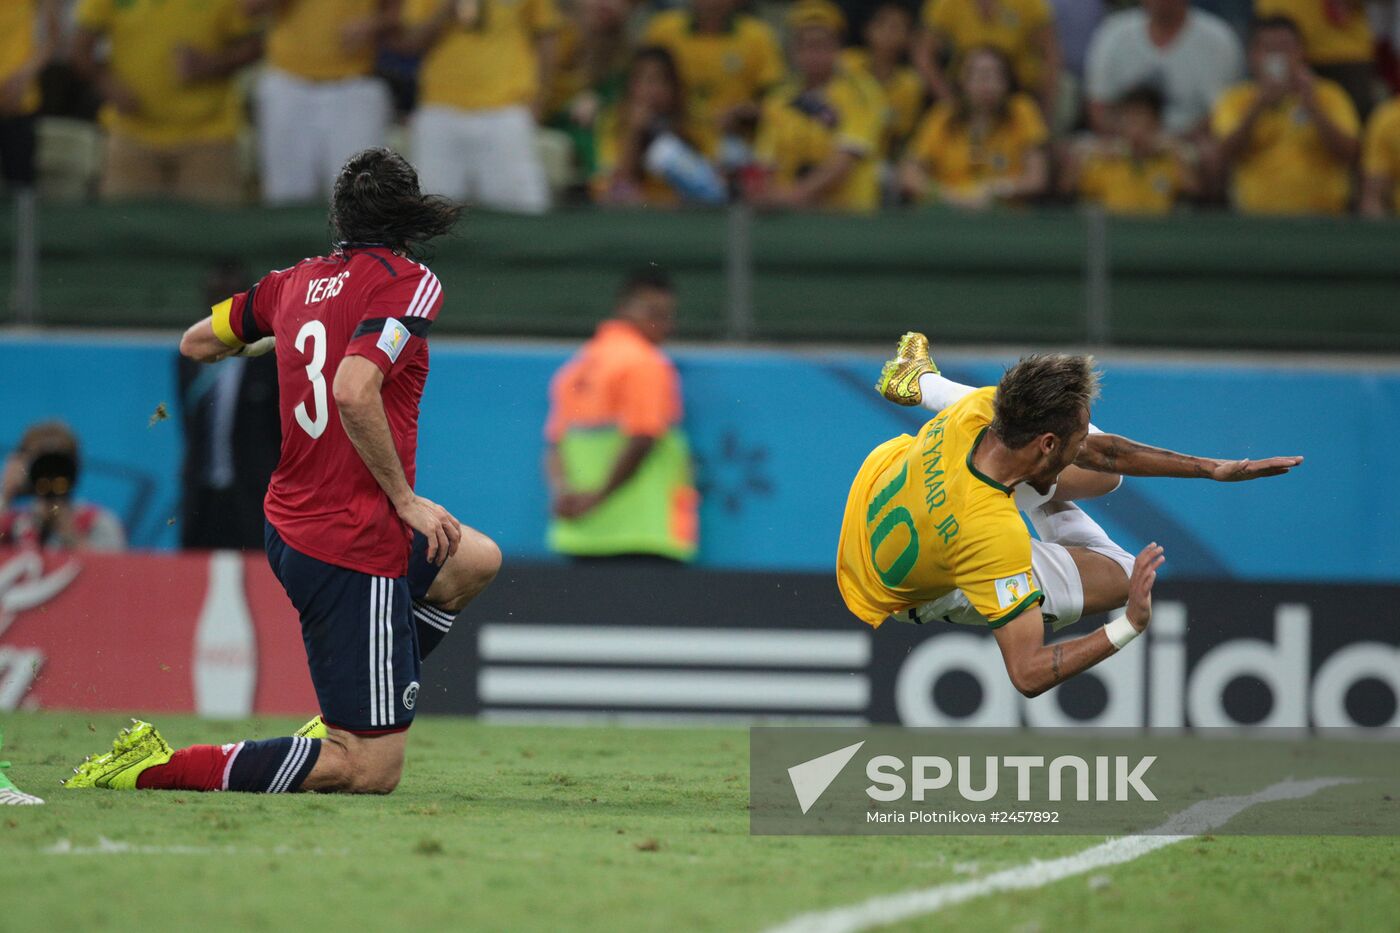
<point x="376" y="572"/>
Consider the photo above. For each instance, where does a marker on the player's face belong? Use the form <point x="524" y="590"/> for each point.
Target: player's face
<point x="1058" y="453"/>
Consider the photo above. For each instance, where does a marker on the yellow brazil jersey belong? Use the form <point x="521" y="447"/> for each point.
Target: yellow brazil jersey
<point x="1380" y="155"/>
<point x="1332" y="32"/>
<point x="922" y="521"/>
<point x="720" y="70"/>
<point x="145" y="36"/>
<point x="305" y="39"/>
<point x="1285" y="168"/>
<point x="1124" y="184"/>
<point x="1013" y="27"/>
<point x="904" y="97"/>
<point x="800" y="130"/>
<point x="955" y="157"/>
<point x="18" y="21"/>
<point x="489" y="63"/>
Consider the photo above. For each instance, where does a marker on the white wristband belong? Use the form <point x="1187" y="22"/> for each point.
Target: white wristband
<point x="1120" y="631"/>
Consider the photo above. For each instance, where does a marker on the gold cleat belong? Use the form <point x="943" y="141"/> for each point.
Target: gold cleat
<point x="138" y="747"/>
<point x="899" y="379"/>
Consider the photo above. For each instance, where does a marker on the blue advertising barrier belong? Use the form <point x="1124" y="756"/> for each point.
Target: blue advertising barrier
<point x="778" y="436"/>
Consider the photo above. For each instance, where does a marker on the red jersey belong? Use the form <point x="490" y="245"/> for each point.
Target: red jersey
<point x="360" y="301"/>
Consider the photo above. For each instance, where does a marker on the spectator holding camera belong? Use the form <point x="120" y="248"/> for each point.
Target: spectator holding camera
<point x="985" y="146"/>
<point x="44" y="470"/>
<point x="1288" y="137"/>
<point x="647" y="148"/>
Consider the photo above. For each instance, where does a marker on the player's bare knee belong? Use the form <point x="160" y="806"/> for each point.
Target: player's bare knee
<point x="466" y="573"/>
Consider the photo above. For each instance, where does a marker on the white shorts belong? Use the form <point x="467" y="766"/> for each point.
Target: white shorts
<point x="1056" y="574"/>
<point x="487" y="157"/>
<point x="307" y="129"/>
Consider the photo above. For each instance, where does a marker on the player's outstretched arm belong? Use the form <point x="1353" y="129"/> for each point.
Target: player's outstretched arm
<point x="202" y="345"/>
<point x="1111" y="453"/>
<point x="1035" y="667"/>
<point x="356" y="389"/>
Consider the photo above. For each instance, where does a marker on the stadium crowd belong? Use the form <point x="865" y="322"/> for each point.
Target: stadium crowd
<point x="1268" y="106"/>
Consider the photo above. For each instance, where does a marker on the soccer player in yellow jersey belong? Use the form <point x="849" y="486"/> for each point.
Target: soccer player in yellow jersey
<point x="29" y="31"/>
<point x="820" y="132"/>
<point x="932" y="530"/>
<point x="1288" y="136"/>
<point x="318" y="100"/>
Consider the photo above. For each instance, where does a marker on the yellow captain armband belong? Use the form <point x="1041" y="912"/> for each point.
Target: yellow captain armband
<point x="219" y="316"/>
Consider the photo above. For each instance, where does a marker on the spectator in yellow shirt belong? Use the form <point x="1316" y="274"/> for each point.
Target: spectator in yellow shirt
<point x="819" y="135"/>
<point x="986" y="145"/>
<point x="1024" y="30"/>
<point x="1337" y="42"/>
<point x="1287" y="137"/>
<point x="29" y="31"/>
<point x="728" y="61"/>
<point x="1380" y="161"/>
<point x="1137" y="169"/>
<point x="170" y="104"/>
<point x="884" y="57"/>
<point x="318" y="101"/>
<point x="487" y="66"/>
<point x="646" y="144"/>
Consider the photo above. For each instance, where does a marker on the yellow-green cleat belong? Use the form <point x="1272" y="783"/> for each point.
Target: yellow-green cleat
<point x="138" y="747"/>
<point x="899" y="379"/>
<point x="315" y="729"/>
<point x="10" y="795"/>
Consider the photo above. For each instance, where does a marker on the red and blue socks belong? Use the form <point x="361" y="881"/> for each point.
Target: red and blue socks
<point x="270" y="766"/>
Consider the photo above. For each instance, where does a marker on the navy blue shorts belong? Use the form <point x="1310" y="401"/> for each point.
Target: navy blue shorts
<point x="361" y="641"/>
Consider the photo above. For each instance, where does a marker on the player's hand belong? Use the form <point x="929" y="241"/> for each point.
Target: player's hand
<point x="257" y="347"/>
<point x="436" y="524"/>
<point x="1140" y="585"/>
<point x="1237" y="471"/>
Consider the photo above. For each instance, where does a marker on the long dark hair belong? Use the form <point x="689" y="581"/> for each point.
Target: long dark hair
<point x="661" y="56"/>
<point x="376" y="200"/>
<point x="962" y="110"/>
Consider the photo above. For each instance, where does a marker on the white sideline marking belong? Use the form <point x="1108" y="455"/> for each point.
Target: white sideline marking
<point x="107" y="846"/>
<point x="1194" y="820"/>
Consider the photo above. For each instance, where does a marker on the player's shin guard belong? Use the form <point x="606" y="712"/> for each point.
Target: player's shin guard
<point x="1067" y="524"/>
<point x="433" y="624"/>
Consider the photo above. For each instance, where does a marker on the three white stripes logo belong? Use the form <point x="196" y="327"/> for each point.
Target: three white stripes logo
<point x="431" y="615"/>
<point x="290" y="765"/>
<point x="381" y="652"/>
<point x="428" y="290"/>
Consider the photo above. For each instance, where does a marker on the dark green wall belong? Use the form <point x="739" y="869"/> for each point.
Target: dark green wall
<point x="1209" y="280"/>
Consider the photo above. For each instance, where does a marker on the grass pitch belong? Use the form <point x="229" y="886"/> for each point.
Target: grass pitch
<point x="535" y="828"/>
